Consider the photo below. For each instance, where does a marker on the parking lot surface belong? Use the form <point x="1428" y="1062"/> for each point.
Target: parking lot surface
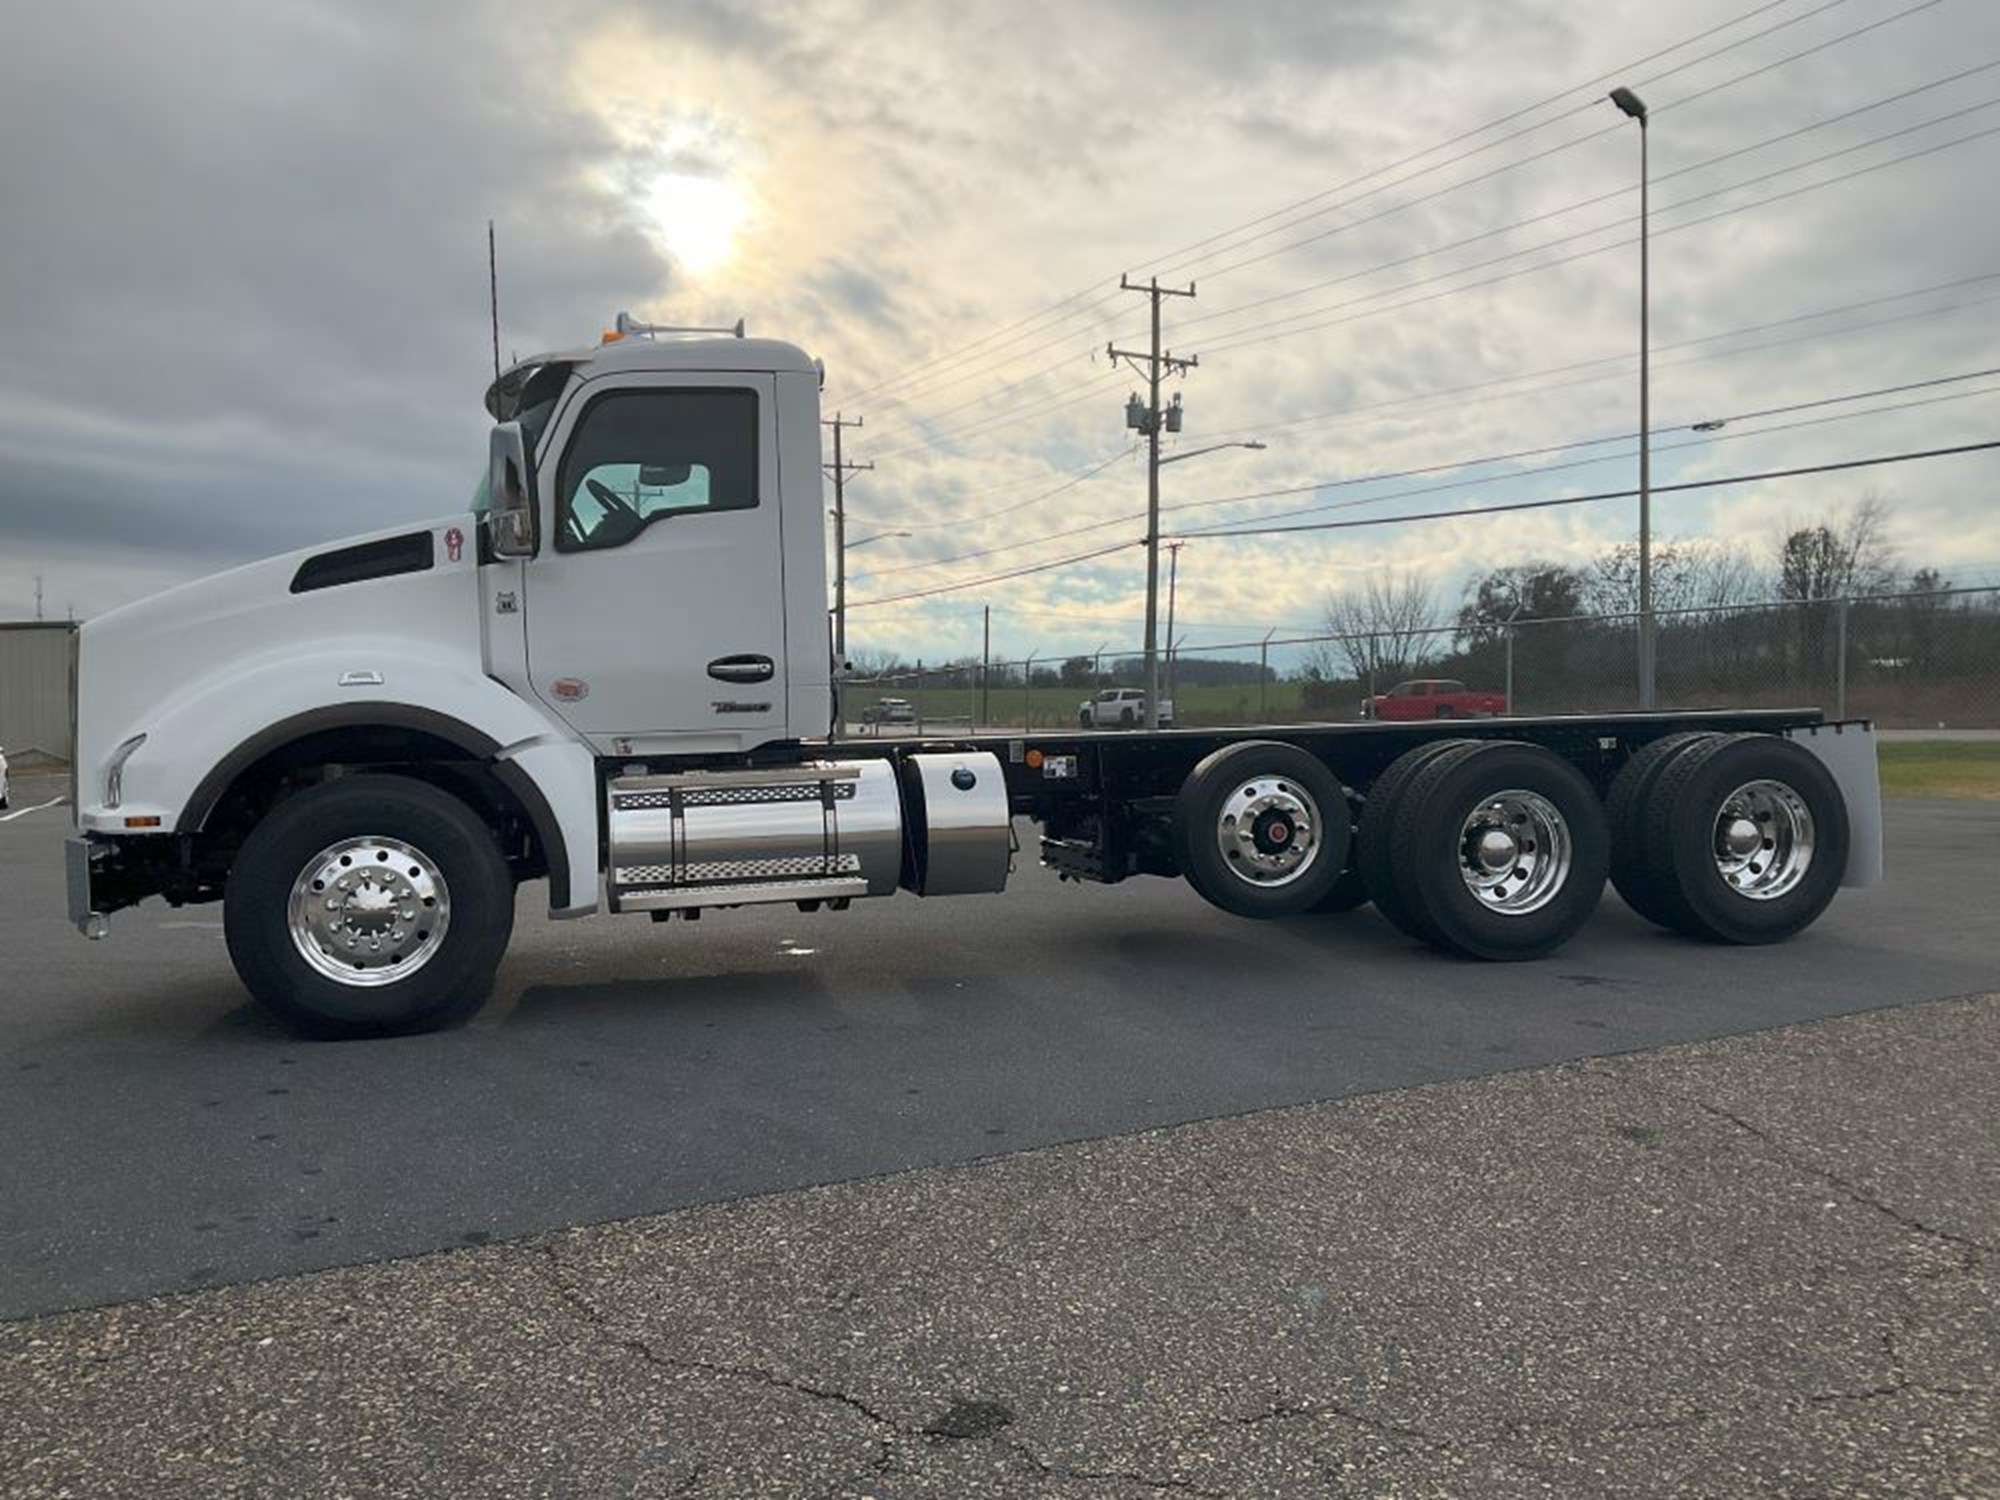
<point x="163" y="1136"/>
<point x="1758" y="1266"/>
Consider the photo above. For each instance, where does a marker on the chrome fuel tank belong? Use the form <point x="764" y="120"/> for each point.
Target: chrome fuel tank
<point x="961" y="837"/>
<point x="824" y="830"/>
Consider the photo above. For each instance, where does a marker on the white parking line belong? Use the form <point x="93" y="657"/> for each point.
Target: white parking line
<point x="22" y="812"/>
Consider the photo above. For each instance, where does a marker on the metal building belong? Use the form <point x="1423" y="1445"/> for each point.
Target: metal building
<point x="36" y="688"/>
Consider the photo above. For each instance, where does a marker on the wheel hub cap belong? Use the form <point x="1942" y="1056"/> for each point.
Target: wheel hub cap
<point x="1515" y="852"/>
<point x="1763" y="840"/>
<point x="1268" y="831"/>
<point x="368" y="911"/>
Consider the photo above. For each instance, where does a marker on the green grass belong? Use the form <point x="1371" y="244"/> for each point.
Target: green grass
<point x="1941" y="768"/>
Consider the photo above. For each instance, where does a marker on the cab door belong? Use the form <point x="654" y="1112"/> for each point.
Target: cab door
<point x="655" y="606"/>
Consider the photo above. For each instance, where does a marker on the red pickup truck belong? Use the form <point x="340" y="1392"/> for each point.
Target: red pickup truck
<point x="1433" y="698"/>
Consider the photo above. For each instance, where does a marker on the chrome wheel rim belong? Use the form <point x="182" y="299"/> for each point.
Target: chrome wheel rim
<point x="369" y="911"/>
<point x="1515" y="852"/>
<point x="1268" y="831"/>
<point x="1763" y="840"/>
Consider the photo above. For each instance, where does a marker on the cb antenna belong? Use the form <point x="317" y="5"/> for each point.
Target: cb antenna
<point x="493" y="294"/>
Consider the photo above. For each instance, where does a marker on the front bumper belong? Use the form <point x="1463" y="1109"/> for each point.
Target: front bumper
<point x="79" y="855"/>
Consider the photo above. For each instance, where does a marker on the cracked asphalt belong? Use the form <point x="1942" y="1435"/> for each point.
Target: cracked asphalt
<point x="1759" y="1265"/>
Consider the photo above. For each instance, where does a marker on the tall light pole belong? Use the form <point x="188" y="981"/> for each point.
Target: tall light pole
<point x="1630" y="104"/>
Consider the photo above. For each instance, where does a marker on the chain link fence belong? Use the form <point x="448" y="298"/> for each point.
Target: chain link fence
<point x="1926" y="660"/>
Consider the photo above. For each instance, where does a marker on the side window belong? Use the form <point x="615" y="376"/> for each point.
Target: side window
<point x="638" y="457"/>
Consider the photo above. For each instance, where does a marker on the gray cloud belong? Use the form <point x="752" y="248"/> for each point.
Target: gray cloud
<point x="244" y="287"/>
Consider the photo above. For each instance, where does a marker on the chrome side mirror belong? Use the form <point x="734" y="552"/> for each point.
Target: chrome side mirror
<point x="511" y="493"/>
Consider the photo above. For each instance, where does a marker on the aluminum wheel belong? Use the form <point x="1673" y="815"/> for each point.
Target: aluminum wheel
<point x="1268" y="831"/>
<point x="369" y="911"/>
<point x="1515" y="852"/>
<point x="1763" y="840"/>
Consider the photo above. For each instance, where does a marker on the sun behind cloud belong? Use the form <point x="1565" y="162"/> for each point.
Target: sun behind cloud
<point x="695" y="218"/>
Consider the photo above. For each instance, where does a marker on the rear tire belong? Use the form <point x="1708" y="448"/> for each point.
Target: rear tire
<point x="1373" y="854"/>
<point x="369" y="906"/>
<point x="1500" y="851"/>
<point x="1745" y="839"/>
<point x="1348" y="892"/>
<point x="1262" y="829"/>
<point x="1624" y="812"/>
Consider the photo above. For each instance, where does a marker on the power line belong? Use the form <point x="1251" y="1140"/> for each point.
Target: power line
<point x="1022" y="327"/>
<point x="1274" y="328"/>
<point x="1658" y="489"/>
<point x="1236" y="337"/>
<point x="1700" y="442"/>
<point x="1618" y="192"/>
<point x="952" y="588"/>
<point x="1259" y="337"/>
<point x="1366" y="412"/>
<point x="1441" y="515"/>
<point x="1592" y="103"/>
<point x="1356" y="481"/>
<point x="1070" y="484"/>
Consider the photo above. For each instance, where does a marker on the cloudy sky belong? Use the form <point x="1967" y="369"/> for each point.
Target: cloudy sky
<point x="244" y="296"/>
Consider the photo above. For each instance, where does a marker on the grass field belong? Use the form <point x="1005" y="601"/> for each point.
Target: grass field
<point x="1941" y="768"/>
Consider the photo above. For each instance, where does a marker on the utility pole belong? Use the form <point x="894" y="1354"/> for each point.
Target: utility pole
<point x="840" y="470"/>
<point x="1149" y="419"/>
<point x="1173" y="581"/>
<point x="986" y="668"/>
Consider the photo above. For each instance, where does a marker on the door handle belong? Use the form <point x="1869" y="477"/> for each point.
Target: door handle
<point x="744" y="668"/>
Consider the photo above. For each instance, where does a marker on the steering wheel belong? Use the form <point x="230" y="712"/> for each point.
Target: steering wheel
<point x="610" y="499"/>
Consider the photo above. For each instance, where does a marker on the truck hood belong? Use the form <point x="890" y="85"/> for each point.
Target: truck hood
<point x="412" y="589"/>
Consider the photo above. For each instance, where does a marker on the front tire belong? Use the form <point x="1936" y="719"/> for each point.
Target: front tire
<point x="369" y="906"/>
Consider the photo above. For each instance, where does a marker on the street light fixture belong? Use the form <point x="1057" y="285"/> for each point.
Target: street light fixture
<point x="878" y="536"/>
<point x="1633" y="108"/>
<point x="1211" y="448"/>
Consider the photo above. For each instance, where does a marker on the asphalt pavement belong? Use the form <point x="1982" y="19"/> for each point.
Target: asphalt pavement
<point x="1753" y="1267"/>
<point x="162" y="1136"/>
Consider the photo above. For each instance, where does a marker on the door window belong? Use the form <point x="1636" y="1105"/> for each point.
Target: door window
<point x="638" y="457"/>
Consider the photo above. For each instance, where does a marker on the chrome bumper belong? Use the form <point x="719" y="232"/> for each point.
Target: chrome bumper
<point x="78" y="856"/>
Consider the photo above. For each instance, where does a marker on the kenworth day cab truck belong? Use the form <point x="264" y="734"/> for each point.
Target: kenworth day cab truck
<point x="614" y="675"/>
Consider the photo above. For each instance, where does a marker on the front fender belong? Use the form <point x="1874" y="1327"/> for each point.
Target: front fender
<point x="211" y="733"/>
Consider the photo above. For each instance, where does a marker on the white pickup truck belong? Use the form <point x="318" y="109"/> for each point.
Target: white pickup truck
<point x="1121" y="708"/>
<point x="614" y="675"/>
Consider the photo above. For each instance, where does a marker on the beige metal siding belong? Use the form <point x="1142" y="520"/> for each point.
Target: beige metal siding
<point x="35" y="688"/>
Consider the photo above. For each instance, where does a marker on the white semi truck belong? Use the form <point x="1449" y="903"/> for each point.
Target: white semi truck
<point x="614" y="675"/>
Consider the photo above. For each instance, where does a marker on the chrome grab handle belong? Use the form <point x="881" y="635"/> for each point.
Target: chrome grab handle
<point x="744" y="668"/>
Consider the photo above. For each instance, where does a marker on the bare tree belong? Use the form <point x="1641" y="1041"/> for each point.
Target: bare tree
<point x="1383" y="630"/>
<point x="1834" y="559"/>
<point x="866" y="661"/>
<point x="1840" y="557"/>
<point x="1686" y="575"/>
